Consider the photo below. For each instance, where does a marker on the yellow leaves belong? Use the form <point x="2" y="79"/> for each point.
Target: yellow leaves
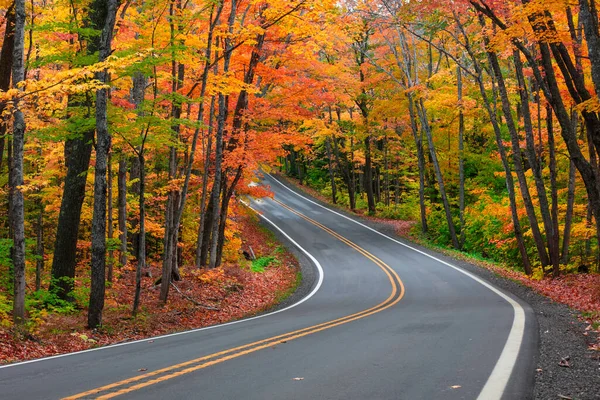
<point x="229" y="84"/>
<point x="592" y="105"/>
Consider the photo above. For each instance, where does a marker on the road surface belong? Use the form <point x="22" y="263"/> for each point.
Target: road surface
<point x="382" y="321"/>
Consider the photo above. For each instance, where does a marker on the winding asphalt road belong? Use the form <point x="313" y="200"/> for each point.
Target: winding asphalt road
<point x="382" y="321"/>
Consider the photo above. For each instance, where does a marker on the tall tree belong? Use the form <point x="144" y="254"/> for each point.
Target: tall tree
<point x="16" y="193"/>
<point x="104" y="12"/>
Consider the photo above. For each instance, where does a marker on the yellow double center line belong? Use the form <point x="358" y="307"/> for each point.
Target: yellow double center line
<point x="161" y="375"/>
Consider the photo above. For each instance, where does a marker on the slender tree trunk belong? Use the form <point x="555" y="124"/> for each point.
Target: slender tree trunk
<point x="564" y="259"/>
<point x="331" y="173"/>
<point x="39" y="263"/>
<point x="461" y="158"/>
<point x="418" y="138"/>
<point x="177" y="74"/>
<point x="368" y="181"/>
<point x="205" y="176"/>
<point x="141" y="256"/>
<point x="227" y="194"/>
<point x="111" y="232"/>
<point x="438" y="173"/>
<point x="533" y="158"/>
<point x="17" y="200"/>
<point x="122" y="209"/>
<point x="107" y="10"/>
<point x="219" y="146"/>
<point x="553" y="240"/>
<point x="214" y="231"/>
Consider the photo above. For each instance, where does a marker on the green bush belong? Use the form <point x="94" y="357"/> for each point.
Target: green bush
<point x="261" y="263"/>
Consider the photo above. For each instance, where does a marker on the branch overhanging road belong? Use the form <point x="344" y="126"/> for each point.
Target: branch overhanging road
<point x="383" y="321"/>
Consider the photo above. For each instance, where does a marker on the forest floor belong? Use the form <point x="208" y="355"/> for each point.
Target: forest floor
<point x="567" y="310"/>
<point x="202" y="298"/>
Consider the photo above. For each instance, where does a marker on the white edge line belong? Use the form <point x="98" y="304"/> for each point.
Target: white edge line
<point x="498" y="380"/>
<point x="308" y="296"/>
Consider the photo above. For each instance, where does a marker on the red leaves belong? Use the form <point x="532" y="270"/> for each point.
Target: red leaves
<point x="233" y="290"/>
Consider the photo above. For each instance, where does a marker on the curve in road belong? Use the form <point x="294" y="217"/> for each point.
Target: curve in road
<point x="453" y="335"/>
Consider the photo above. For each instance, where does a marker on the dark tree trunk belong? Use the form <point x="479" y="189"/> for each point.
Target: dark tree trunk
<point x="203" y="212"/>
<point x="330" y="168"/>
<point x="110" y="221"/>
<point x="368" y="181"/>
<point x="438" y="173"/>
<point x="170" y="245"/>
<point x="6" y="62"/>
<point x="141" y="256"/>
<point x="78" y="150"/>
<point x="122" y="209"/>
<point x="508" y="173"/>
<point x="418" y="137"/>
<point x="518" y="164"/>
<point x="105" y="11"/>
<point x="553" y="240"/>
<point x="533" y="158"/>
<point x="564" y="259"/>
<point x="219" y="148"/>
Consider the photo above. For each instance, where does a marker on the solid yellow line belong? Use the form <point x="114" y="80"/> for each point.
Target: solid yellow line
<point x="261" y="344"/>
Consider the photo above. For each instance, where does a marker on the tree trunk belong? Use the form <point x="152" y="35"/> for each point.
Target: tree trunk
<point x="107" y="11"/>
<point x="6" y="62"/>
<point x="111" y="232"/>
<point x="331" y="173"/>
<point x="122" y="209"/>
<point x="205" y="176"/>
<point x="461" y="157"/>
<point x="518" y="163"/>
<point x="564" y="259"/>
<point x="214" y="223"/>
<point x="141" y="256"/>
<point x="418" y="138"/>
<point x="438" y="172"/>
<point x="532" y="157"/>
<point x="17" y="200"/>
<point x="39" y="263"/>
<point x="553" y="240"/>
<point x="508" y="173"/>
<point x="368" y="181"/>
<point x="177" y="75"/>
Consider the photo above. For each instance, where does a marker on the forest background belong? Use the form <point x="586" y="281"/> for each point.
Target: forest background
<point x="131" y="131"/>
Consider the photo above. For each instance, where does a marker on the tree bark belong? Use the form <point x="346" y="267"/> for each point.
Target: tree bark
<point x="461" y="157"/>
<point x="518" y="164"/>
<point x="106" y="11"/>
<point x="17" y="200"/>
<point x="418" y="138"/>
<point x="438" y="172"/>
<point x="533" y="158"/>
<point x="507" y="172"/>
<point x="110" y="221"/>
<point x="553" y="240"/>
<point x="122" y="209"/>
<point x="330" y="168"/>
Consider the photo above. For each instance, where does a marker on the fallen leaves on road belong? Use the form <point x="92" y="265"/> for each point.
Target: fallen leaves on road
<point x="564" y="362"/>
